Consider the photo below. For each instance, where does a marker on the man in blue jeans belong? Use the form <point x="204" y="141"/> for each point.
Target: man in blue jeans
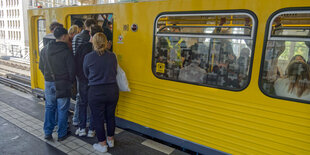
<point x="57" y="66"/>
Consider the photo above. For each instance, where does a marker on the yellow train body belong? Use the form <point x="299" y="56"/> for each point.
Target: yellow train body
<point x="235" y="122"/>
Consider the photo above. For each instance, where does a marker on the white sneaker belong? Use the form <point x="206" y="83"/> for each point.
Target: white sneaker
<point x="100" y="148"/>
<point x="91" y="133"/>
<point x="80" y="132"/>
<point x="110" y="142"/>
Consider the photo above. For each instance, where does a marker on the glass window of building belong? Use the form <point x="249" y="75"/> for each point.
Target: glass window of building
<point x="285" y="69"/>
<point x="210" y="49"/>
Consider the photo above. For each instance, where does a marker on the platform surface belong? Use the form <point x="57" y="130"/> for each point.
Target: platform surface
<point x="21" y="132"/>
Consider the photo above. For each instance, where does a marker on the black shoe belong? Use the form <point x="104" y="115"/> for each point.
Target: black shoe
<point x="48" y="137"/>
<point x="64" y="137"/>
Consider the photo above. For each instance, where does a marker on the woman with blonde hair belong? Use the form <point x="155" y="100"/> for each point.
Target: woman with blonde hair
<point x="100" y="69"/>
<point x="297" y="83"/>
<point x="73" y="30"/>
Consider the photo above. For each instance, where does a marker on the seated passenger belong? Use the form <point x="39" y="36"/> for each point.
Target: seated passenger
<point x="296" y="84"/>
<point x="192" y="72"/>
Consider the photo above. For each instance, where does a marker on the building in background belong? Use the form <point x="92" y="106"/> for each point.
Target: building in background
<point x="13" y="23"/>
<point x="14" y="39"/>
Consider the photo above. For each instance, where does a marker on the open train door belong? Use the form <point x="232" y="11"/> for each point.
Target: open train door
<point x="38" y="31"/>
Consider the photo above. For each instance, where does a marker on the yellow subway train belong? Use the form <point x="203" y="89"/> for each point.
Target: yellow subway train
<point x="214" y="77"/>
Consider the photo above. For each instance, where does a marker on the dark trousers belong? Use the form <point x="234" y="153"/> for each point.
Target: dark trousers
<point x="83" y="91"/>
<point x="102" y="100"/>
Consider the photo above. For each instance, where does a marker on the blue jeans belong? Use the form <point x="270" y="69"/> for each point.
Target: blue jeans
<point x="83" y="106"/>
<point x="76" y="109"/>
<point x="61" y="105"/>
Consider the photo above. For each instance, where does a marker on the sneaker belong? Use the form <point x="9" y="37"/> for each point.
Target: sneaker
<point x="48" y="137"/>
<point x="80" y="132"/>
<point x="91" y="133"/>
<point x="64" y="137"/>
<point x="110" y="142"/>
<point x="100" y="148"/>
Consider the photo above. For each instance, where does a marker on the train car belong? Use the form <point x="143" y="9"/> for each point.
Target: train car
<point x="211" y="76"/>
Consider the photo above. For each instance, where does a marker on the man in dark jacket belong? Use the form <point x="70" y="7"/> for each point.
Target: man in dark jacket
<point x="58" y="68"/>
<point x="78" y="40"/>
<point x="84" y="36"/>
<point x="83" y="85"/>
<point x="50" y="37"/>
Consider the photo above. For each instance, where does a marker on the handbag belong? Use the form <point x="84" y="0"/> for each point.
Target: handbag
<point x="121" y="79"/>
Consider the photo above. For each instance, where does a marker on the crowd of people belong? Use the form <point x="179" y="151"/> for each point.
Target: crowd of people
<point x="196" y="60"/>
<point x="82" y="55"/>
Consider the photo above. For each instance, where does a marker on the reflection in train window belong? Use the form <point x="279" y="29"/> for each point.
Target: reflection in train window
<point x="212" y="50"/>
<point x="286" y="72"/>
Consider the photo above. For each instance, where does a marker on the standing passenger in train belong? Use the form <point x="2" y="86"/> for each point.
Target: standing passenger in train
<point x="50" y="37"/>
<point x="57" y="66"/>
<point x="73" y="30"/>
<point x="80" y="24"/>
<point x="79" y="39"/>
<point x="83" y="85"/>
<point x="100" y="69"/>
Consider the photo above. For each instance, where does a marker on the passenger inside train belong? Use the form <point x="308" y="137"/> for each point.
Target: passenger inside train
<point x="286" y="68"/>
<point x="213" y="46"/>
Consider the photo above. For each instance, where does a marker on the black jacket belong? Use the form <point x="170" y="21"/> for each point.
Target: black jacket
<point x="81" y="51"/>
<point x="61" y="61"/>
<point x="80" y="39"/>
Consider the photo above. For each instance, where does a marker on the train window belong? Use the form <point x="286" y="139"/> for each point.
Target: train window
<point x="41" y="32"/>
<point x="211" y="49"/>
<point x="285" y="71"/>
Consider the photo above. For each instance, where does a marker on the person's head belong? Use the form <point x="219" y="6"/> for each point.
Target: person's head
<point x="100" y="43"/>
<point x="54" y="25"/>
<point x="73" y="30"/>
<point x="110" y="26"/>
<point x="298" y="58"/>
<point x="95" y="29"/>
<point x="175" y="28"/>
<point x="299" y="77"/>
<point x="89" y="22"/>
<point x="80" y="24"/>
<point x="61" y="34"/>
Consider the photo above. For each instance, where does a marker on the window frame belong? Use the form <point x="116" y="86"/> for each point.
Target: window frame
<point x="253" y="35"/>
<point x="268" y="37"/>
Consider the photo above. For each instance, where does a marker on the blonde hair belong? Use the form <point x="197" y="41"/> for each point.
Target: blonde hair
<point x="100" y="43"/>
<point x="74" y="29"/>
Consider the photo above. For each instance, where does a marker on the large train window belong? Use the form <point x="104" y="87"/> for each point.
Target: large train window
<point x="211" y="49"/>
<point x="285" y="71"/>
